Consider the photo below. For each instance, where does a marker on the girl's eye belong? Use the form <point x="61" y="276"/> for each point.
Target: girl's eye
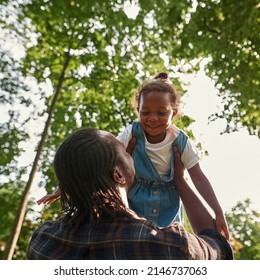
<point x="145" y="113"/>
<point x="162" y="113"/>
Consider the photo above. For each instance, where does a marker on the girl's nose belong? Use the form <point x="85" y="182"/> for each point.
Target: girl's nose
<point x="153" y="118"/>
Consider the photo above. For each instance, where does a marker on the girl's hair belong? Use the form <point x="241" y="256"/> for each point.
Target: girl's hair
<point x="160" y="83"/>
<point x="84" y="165"/>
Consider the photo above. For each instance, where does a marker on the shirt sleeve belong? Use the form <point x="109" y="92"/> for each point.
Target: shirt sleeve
<point x="125" y="135"/>
<point x="190" y="156"/>
<point x="205" y="246"/>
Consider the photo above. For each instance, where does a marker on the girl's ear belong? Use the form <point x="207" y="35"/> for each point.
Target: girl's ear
<point x="118" y="177"/>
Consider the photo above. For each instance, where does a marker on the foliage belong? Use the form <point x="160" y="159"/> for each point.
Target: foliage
<point x="85" y="51"/>
<point x="226" y="32"/>
<point x="10" y="196"/>
<point x="11" y="130"/>
<point x="97" y="55"/>
<point x="105" y="57"/>
<point x="244" y="225"/>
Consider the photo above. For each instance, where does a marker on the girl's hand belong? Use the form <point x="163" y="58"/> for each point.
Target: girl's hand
<point x="49" y="198"/>
<point x="221" y="225"/>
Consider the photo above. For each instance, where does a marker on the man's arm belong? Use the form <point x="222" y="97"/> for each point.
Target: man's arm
<point x="205" y="189"/>
<point x="198" y="215"/>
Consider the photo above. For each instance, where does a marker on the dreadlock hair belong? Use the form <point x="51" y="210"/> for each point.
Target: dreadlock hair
<point x="160" y="83"/>
<point x="83" y="165"/>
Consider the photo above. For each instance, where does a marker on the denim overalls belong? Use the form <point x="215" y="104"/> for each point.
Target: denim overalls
<point x="152" y="196"/>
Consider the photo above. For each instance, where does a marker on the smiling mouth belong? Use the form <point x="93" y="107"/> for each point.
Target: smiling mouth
<point x="153" y="126"/>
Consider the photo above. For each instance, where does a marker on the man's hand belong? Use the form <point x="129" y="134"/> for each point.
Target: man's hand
<point x="178" y="165"/>
<point x="131" y="146"/>
<point x="221" y="225"/>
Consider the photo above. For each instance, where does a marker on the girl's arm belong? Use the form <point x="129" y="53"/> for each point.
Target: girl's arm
<point x="205" y="189"/>
<point x="50" y="198"/>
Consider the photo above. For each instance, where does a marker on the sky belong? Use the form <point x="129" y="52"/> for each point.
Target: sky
<point x="233" y="163"/>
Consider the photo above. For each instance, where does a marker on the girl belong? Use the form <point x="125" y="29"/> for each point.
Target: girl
<point x="153" y="194"/>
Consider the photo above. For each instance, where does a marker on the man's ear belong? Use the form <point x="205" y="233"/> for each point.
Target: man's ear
<point x="174" y="113"/>
<point x="118" y="177"/>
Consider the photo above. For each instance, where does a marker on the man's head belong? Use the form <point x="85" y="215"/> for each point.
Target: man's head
<point x="91" y="166"/>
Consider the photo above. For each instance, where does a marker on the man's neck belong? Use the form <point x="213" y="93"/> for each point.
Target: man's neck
<point x="124" y="196"/>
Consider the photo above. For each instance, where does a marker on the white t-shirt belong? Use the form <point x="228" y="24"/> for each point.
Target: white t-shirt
<point x="160" y="153"/>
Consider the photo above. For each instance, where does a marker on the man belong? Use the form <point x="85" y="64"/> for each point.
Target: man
<point x="95" y="173"/>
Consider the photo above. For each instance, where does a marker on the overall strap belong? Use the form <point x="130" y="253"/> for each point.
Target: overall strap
<point x="180" y="142"/>
<point x="136" y="130"/>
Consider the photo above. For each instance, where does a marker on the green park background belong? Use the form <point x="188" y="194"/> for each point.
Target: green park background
<point x="76" y="63"/>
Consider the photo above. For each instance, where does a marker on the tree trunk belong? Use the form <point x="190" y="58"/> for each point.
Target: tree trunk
<point x="17" y="226"/>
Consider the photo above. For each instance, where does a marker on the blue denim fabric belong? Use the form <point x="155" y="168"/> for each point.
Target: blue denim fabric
<point x="152" y="196"/>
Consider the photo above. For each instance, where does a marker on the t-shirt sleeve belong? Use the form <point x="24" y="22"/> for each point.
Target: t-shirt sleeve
<point x="190" y="156"/>
<point x="125" y="135"/>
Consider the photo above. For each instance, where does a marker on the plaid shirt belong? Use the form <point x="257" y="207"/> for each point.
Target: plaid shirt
<point x="124" y="238"/>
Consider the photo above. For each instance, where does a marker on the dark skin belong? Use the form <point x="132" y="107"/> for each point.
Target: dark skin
<point x="201" y="219"/>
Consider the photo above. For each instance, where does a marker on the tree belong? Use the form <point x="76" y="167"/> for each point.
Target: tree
<point x="91" y="56"/>
<point x="244" y="225"/>
<point x="227" y="33"/>
<point x="9" y="195"/>
<point x="92" y="66"/>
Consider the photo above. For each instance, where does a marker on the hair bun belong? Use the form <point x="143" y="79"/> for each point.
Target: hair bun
<point x="162" y="75"/>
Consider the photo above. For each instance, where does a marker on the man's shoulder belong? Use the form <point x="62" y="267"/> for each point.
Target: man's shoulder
<point x="132" y="238"/>
<point x="145" y="230"/>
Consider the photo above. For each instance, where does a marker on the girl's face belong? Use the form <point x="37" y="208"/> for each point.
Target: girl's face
<point x="155" y="115"/>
